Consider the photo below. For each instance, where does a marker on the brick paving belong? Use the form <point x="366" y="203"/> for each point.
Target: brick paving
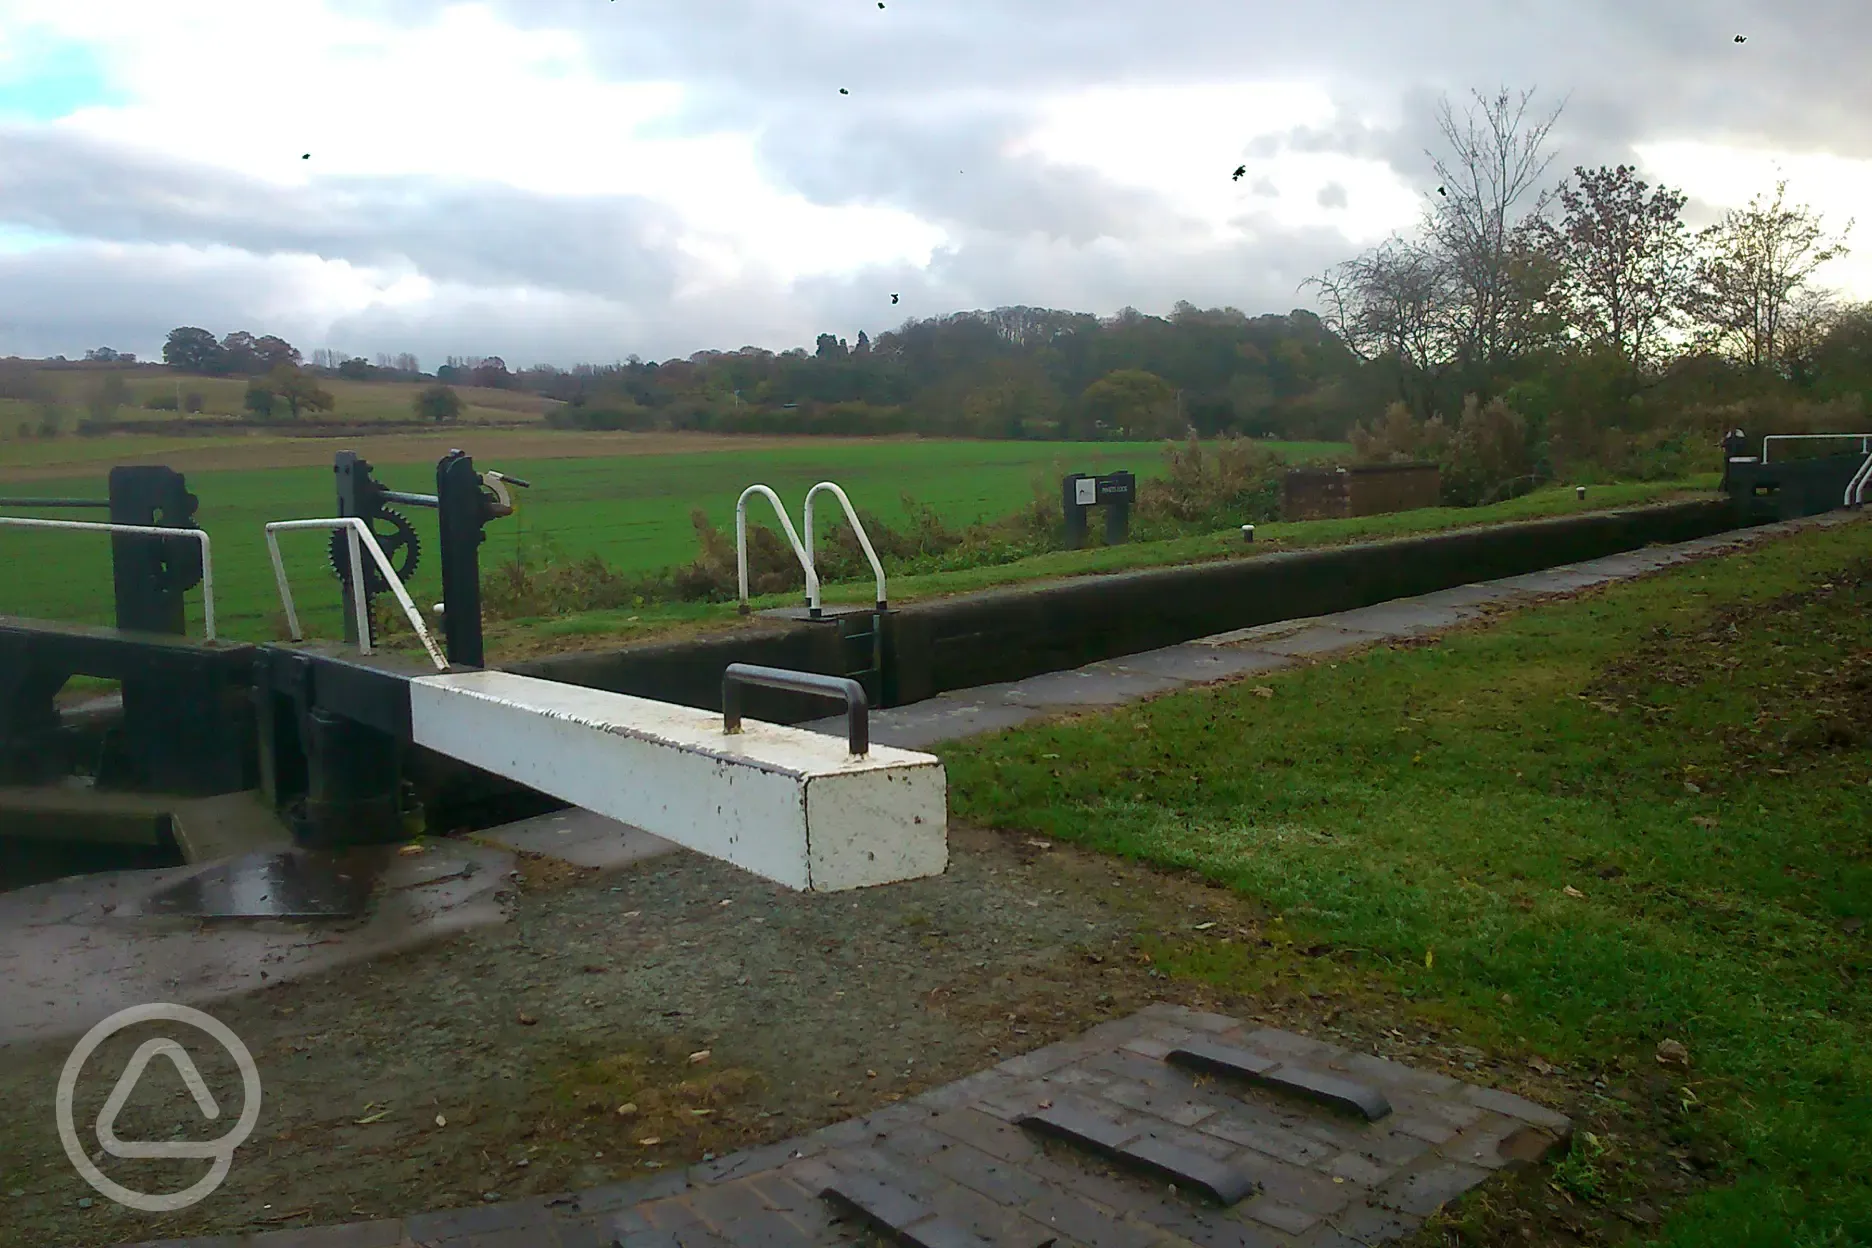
<point x="1166" y="1129"/>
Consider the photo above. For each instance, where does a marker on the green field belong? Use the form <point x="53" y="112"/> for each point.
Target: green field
<point x="1564" y="838"/>
<point x="634" y="511"/>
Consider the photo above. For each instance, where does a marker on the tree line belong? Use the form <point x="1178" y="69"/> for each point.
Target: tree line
<point x="1576" y="314"/>
<point x="1526" y="324"/>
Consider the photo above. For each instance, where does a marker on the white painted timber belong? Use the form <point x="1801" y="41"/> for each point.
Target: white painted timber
<point x="785" y="803"/>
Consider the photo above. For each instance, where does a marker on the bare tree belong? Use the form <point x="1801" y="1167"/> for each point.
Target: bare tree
<point x="1396" y="301"/>
<point x="1497" y="155"/>
<point x="1756" y="263"/>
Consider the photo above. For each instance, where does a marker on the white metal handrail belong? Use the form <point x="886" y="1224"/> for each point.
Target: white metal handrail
<point x="359" y="539"/>
<point x="864" y="540"/>
<point x="1856" y="488"/>
<point x="1865" y="440"/>
<point x="195" y="535"/>
<point x="799" y="552"/>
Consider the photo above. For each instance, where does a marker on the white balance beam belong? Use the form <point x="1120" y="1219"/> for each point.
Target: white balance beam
<point x="784" y="803"/>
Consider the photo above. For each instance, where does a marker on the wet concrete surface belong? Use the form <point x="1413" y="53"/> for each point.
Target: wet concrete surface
<point x="290" y="885"/>
<point x="74" y="951"/>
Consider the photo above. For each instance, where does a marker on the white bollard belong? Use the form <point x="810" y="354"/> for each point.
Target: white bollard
<point x="1247" y="532"/>
<point x="1579" y="491"/>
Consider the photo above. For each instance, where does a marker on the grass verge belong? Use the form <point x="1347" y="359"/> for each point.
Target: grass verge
<point x="525" y="637"/>
<point x="1574" y="834"/>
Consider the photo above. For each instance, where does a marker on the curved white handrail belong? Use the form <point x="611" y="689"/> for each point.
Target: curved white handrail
<point x="877" y="568"/>
<point x="359" y="538"/>
<point x="799" y="552"/>
<point x="1856" y="488"/>
<point x="196" y="535"/>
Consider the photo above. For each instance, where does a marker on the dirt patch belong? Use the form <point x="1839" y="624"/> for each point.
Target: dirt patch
<point x="256" y="451"/>
<point x="630" y="1022"/>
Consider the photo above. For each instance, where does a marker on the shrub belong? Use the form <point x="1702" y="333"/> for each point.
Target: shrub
<point x="1490" y="458"/>
<point x="437" y="403"/>
<point x="1229" y="482"/>
<point x="161" y="402"/>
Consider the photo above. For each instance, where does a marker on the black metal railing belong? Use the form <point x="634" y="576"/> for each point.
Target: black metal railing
<point x="738" y="676"/>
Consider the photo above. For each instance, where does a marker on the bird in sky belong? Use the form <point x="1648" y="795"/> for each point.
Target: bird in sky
<point x="843" y="91"/>
<point x="1442" y="192"/>
<point x="307" y="156"/>
<point x="1241" y="171"/>
<point x="1741" y="38"/>
<point x="893" y="298"/>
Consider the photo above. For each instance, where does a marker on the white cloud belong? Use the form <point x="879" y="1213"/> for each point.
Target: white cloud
<point x="557" y="179"/>
<point x="1729" y="177"/>
<point x="1184" y="144"/>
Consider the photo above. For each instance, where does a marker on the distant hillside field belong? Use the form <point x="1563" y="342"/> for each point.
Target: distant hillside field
<point x="631" y="509"/>
<point x="356" y="402"/>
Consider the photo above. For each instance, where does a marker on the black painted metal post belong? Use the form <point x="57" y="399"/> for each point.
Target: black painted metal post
<point x="150" y="574"/>
<point x="462" y="510"/>
<point x="354" y="783"/>
<point x="1118" y="491"/>
<point x="354" y="499"/>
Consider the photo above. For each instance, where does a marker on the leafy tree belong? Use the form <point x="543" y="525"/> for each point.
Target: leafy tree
<point x="492" y="373"/>
<point x="1624" y="261"/>
<point x="1138" y="402"/>
<point x="437" y="403"/>
<point x="357" y="368"/>
<point x="297" y="389"/>
<point x="259" y="399"/>
<point x="240" y="355"/>
<point x="274" y="351"/>
<point x="104" y="398"/>
<point x="1756" y="262"/>
<point x="192" y="350"/>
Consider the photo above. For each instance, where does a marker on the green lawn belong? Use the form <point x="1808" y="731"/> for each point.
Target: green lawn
<point x="634" y="511"/>
<point x="1574" y="833"/>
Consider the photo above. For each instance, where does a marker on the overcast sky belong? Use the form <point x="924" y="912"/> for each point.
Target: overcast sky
<point x="567" y="180"/>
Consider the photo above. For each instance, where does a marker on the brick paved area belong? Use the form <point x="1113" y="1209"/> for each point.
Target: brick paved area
<point x="1169" y="1128"/>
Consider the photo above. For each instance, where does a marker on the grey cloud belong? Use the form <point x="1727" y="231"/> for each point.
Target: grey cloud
<point x="483" y="234"/>
<point x="1332" y="195"/>
<point x="952" y="171"/>
<point x="937" y="88"/>
<point x="64" y="299"/>
<point x="1645" y="67"/>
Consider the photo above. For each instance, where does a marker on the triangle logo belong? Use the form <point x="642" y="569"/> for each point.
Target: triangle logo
<point x="178" y="1056"/>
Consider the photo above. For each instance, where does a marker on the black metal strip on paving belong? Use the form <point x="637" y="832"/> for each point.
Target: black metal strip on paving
<point x="1221" y="1182"/>
<point x="1333" y="1091"/>
<point x="896" y="1213"/>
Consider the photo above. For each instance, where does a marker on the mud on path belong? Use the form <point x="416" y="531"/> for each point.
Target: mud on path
<point x="495" y="1066"/>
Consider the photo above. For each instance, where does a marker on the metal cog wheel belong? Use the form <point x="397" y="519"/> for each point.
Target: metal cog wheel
<point x="400" y="545"/>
